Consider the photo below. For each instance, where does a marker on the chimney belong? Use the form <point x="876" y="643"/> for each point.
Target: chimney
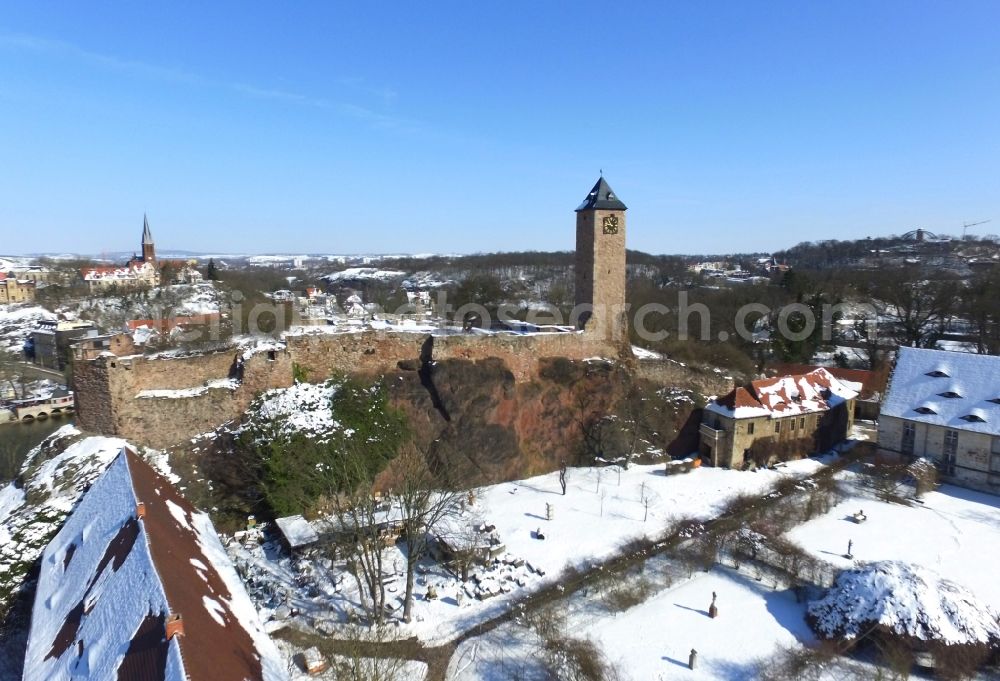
<point x="175" y="625"/>
<point x="140" y="510"/>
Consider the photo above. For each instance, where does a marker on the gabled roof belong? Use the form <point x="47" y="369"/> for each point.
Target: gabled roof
<point x="959" y="390"/>
<point x="147" y="236"/>
<point x="601" y="197"/>
<point x="131" y="555"/>
<point x="872" y="382"/>
<point x="815" y="391"/>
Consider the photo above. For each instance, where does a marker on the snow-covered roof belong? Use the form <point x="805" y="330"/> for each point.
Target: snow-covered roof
<point x="811" y="392"/>
<point x="959" y="390"/>
<point x="133" y="556"/>
<point x="297" y="531"/>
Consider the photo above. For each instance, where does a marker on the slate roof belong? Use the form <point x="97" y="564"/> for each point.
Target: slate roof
<point x="602" y="197"/>
<point x="959" y="390"/>
<point x="133" y="553"/>
<point x="147" y="236"/>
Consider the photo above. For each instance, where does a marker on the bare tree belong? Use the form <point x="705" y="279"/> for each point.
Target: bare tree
<point x="981" y="307"/>
<point x="918" y="307"/>
<point x="424" y="504"/>
<point x="358" y="537"/>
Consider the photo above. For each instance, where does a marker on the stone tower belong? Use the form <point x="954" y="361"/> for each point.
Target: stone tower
<point x="600" y="263"/>
<point x="148" y="249"/>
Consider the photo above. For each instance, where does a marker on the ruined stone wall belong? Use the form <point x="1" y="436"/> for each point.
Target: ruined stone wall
<point x="108" y="389"/>
<point x="94" y="404"/>
<point x="667" y="372"/>
<point x="379" y="352"/>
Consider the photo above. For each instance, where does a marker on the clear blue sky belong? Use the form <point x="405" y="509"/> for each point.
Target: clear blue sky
<point x="467" y="126"/>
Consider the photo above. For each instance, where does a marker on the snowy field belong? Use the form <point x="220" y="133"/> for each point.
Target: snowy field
<point x="597" y="516"/>
<point x="954" y="532"/>
<point x="653" y="640"/>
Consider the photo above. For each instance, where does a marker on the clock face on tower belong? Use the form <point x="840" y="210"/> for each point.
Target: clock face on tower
<point x="610" y="224"/>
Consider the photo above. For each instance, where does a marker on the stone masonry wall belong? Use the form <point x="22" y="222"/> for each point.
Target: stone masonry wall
<point x="107" y="390"/>
<point x="108" y="387"/>
<point x="379" y="352"/>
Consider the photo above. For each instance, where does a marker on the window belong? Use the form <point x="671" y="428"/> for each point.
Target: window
<point x="750" y="428"/>
<point x="924" y="410"/>
<point x="973" y="418"/>
<point x="937" y="373"/>
<point x="777" y="426"/>
<point x="802" y="423"/>
<point x="950" y="394"/>
<point x="791" y="426"/>
<point x="950" y="451"/>
<point x="909" y="436"/>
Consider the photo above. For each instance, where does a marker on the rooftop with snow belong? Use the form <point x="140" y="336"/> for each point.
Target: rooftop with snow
<point x="136" y="585"/>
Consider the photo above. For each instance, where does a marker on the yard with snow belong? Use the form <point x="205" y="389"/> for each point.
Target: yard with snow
<point x="598" y="515"/>
<point x="954" y="532"/>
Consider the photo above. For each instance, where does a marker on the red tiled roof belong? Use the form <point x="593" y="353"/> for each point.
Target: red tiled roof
<point x="871" y="381"/>
<point x="789" y="394"/>
<point x="738" y="397"/>
<point x="211" y="651"/>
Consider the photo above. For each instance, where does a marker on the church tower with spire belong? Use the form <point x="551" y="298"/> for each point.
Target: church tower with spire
<point x="600" y="264"/>
<point x="148" y="249"/>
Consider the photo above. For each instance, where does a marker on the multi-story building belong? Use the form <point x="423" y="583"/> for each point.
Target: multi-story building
<point x="14" y="290"/>
<point x="945" y="406"/>
<point x="49" y="344"/>
<point x="777" y="417"/>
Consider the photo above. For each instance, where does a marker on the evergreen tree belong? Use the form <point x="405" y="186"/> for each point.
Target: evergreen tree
<point x="212" y="274"/>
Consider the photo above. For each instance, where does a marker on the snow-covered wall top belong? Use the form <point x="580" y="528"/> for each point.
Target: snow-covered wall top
<point x="959" y="390"/>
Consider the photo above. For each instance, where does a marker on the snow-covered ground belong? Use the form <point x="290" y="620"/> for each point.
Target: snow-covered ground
<point x="600" y="512"/>
<point x="17" y="322"/>
<point x="653" y="640"/>
<point x="954" y="532"/>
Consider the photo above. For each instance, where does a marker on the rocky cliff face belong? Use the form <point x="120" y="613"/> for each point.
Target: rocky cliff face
<point x="475" y="423"/>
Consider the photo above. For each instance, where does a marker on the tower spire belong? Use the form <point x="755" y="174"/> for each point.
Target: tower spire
<point x="147" y="236"/>
<point x="148" y="249"/>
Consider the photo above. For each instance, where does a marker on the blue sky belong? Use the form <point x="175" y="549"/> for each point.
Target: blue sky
<point x="464" y="127"/>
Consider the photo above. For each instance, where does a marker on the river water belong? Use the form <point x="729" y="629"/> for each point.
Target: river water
<point x="17" y="439"/>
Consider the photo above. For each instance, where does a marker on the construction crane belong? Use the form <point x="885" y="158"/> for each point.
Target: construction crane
<point x="966" y="225"/>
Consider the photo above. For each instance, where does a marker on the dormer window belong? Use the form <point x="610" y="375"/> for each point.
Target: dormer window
<point x="937" y="373"/>
<point x="973" y="418"/>
<point x="950" y="394"/>
<point x="995" y="400"/>
<point x="924" y="410"/>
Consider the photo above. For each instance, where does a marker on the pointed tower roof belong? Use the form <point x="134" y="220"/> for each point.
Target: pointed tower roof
<point x="147" y="236"/>
<point x="602" y="197"/>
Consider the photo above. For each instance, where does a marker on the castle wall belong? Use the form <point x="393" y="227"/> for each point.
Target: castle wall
<point x="378" y="352"/>
<point x="108" y="393"/>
